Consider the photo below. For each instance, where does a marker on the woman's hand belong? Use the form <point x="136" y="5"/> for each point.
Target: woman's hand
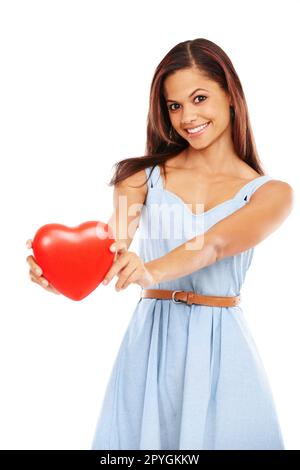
<point x="129" y="267"/>
<point x="35" y="272"/>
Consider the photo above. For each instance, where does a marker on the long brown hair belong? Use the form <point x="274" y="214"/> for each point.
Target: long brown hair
<point x="163" y="142"/>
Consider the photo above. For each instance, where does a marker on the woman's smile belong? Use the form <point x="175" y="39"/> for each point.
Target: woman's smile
<point x="196" y="131"/>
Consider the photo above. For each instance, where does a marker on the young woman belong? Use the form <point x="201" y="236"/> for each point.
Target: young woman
<point x="188" y="374"/>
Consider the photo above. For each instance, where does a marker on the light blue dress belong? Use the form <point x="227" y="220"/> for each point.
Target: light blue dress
<point x="188" y="376"/>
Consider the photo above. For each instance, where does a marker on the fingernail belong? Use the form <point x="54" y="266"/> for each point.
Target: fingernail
<point x="38" y="271"/>
<point x="113" y="248"/>
<point x="45" y="282"/>
<point x="105" y="281"/>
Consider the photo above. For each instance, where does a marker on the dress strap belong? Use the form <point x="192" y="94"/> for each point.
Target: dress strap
<point x="155" y="178"/>
<point x="248" y="189"/>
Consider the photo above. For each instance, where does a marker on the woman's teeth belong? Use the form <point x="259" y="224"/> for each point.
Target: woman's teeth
<point x="197" y="129"/>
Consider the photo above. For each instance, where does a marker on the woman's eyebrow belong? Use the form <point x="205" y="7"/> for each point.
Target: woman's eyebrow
<point x="192" y="93"/>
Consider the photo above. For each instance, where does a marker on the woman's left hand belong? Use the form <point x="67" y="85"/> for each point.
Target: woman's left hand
<point x="129" y="267"/>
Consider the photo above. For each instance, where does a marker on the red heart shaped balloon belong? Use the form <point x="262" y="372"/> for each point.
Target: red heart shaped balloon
<point x="74" y="259"/>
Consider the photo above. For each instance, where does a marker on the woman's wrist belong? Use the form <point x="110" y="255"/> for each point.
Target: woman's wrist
<point x="155" y="271"/>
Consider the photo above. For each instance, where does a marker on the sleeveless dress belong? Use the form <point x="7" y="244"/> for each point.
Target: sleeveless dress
<point x="188" y="376"/>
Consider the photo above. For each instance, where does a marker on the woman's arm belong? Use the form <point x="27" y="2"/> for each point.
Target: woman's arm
<point x="268" y="207"/>
<point x="128" y="203"/>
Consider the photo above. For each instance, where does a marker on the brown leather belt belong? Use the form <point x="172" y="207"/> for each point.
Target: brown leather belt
<point x="191" y="297"/>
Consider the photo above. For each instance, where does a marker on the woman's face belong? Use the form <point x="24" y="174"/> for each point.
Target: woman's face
<point x="193" y="100"/>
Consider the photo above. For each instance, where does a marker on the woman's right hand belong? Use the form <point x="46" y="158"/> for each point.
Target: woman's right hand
<point x="35" y="272"/>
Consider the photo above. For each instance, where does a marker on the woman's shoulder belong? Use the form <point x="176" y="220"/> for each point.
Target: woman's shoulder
<point x="134" y="185"/>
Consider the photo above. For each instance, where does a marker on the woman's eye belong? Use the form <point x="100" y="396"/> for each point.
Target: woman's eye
<point x="176" y="104"/>
<point x="170" y="107"/>
<point x="201" y="96"/>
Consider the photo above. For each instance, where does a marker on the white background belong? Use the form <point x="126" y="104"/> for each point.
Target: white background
<point x="74" y="84"/>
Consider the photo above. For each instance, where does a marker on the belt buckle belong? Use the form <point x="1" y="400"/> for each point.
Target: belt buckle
<point x="174" y="300"/>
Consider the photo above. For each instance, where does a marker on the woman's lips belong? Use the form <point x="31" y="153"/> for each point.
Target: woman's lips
<point x="196" y="134"/>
